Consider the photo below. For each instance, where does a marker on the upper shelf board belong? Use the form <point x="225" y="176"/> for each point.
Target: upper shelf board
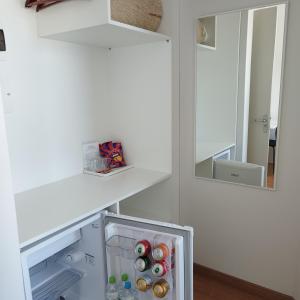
<point x="109" y="35"/>
<point x="201" y="46"/>
<point x="91" y="23"/>
<point x="55" y="206"/>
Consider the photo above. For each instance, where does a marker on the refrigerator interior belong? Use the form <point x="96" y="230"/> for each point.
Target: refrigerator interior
<point x="121" y="241"/>
<point x="67" y="267"/>
<point x="75" y="263"/>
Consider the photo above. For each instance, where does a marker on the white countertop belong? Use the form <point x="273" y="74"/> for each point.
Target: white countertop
<point x="47" y="209"/>
<point x="206" y="150"/>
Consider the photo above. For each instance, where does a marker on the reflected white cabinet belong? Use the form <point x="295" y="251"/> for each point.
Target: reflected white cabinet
<point x="207" y="153"/>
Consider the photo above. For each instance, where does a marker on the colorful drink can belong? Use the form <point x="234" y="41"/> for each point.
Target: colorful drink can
<point x="161" y="288"/>
<point x="143" y="264"/>
<point x="160" y="252"/>
<point x="159" y="269"/>
<point x="143" y="284"/>
<point x="143" y="248"/>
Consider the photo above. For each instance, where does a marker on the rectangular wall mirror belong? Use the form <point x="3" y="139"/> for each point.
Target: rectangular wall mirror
<point x="239" y="82"/>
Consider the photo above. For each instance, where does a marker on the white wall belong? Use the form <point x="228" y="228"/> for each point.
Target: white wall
<point x="162" y="202"/>
<point x="140" y="99"/>
<point x="245" y="232"/>
<point x="277" y="68"/>
<point x="11" y="283"/>
<point x="55" y="89"/>
<point x="142" y="120"/>
<point x="217" y="83"/>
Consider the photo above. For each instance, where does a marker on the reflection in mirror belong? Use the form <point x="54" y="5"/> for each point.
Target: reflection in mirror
<point x="239" y="71"/>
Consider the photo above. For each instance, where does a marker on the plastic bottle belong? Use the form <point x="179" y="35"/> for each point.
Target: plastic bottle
<point x="112" y="289"/>
<point x="128" y="293"/>
<point x="124" y="279"/>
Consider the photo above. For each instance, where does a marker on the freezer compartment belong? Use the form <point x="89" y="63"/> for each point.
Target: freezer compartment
<point x="58" y="274"/>
<point x="54" y="288"/>
<point x="69" y="265"/>
<point x="51" y="278"/>
<point x="121" y="241"/>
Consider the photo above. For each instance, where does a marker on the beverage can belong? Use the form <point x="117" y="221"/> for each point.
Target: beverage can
<point x="143" y="248"/>
<point x="161" y="288"/>
<point x="142" y="264"/>
<point x="160" y="252"/>
<point x="159" y="269"/>
<point x="144" y="283"/>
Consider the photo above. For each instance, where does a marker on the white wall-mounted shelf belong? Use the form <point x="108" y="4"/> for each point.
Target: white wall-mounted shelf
<point x="210" y="25"/>
<point x="90" y="23"/>
<point x="110" y="35"/>
<point x="201" y="46"/>
<point x="50" y="208"/>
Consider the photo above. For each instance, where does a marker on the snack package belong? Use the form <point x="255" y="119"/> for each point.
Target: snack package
<point x="114" y="152"/>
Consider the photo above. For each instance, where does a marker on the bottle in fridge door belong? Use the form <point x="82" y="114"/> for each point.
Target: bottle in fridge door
<point x="112" y="292"/>
<point x="128" y="293"/>
<point x="76" y="263"/>
<point x="121" y="285"/>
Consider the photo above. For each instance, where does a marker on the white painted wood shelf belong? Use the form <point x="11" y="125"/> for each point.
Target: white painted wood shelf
<point x="210" y="25"/>
<point x="110" y="35"/>
<point x="201" y="46"/>
<point x="90" y="23"/>
<point x="50" y="208"/>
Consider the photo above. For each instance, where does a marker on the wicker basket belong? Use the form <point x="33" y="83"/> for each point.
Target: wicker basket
<point x="145" y="14"/>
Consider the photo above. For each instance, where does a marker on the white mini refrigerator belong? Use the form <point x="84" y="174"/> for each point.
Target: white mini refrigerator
<point x="75" y="263"/>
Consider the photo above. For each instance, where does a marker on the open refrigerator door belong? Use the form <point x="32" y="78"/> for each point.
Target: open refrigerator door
<point x="157" y="257"/>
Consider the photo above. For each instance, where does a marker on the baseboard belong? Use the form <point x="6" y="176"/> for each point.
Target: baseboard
<point x="240" y="284"/>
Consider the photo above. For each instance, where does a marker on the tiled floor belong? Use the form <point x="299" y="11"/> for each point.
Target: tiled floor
<point x="206" y="288"/>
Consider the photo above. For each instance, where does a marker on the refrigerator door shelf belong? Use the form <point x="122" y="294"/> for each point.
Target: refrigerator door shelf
<point x="118" y="245"/>
<point x="123" y="260"/>
<point x="182" y="238"/>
